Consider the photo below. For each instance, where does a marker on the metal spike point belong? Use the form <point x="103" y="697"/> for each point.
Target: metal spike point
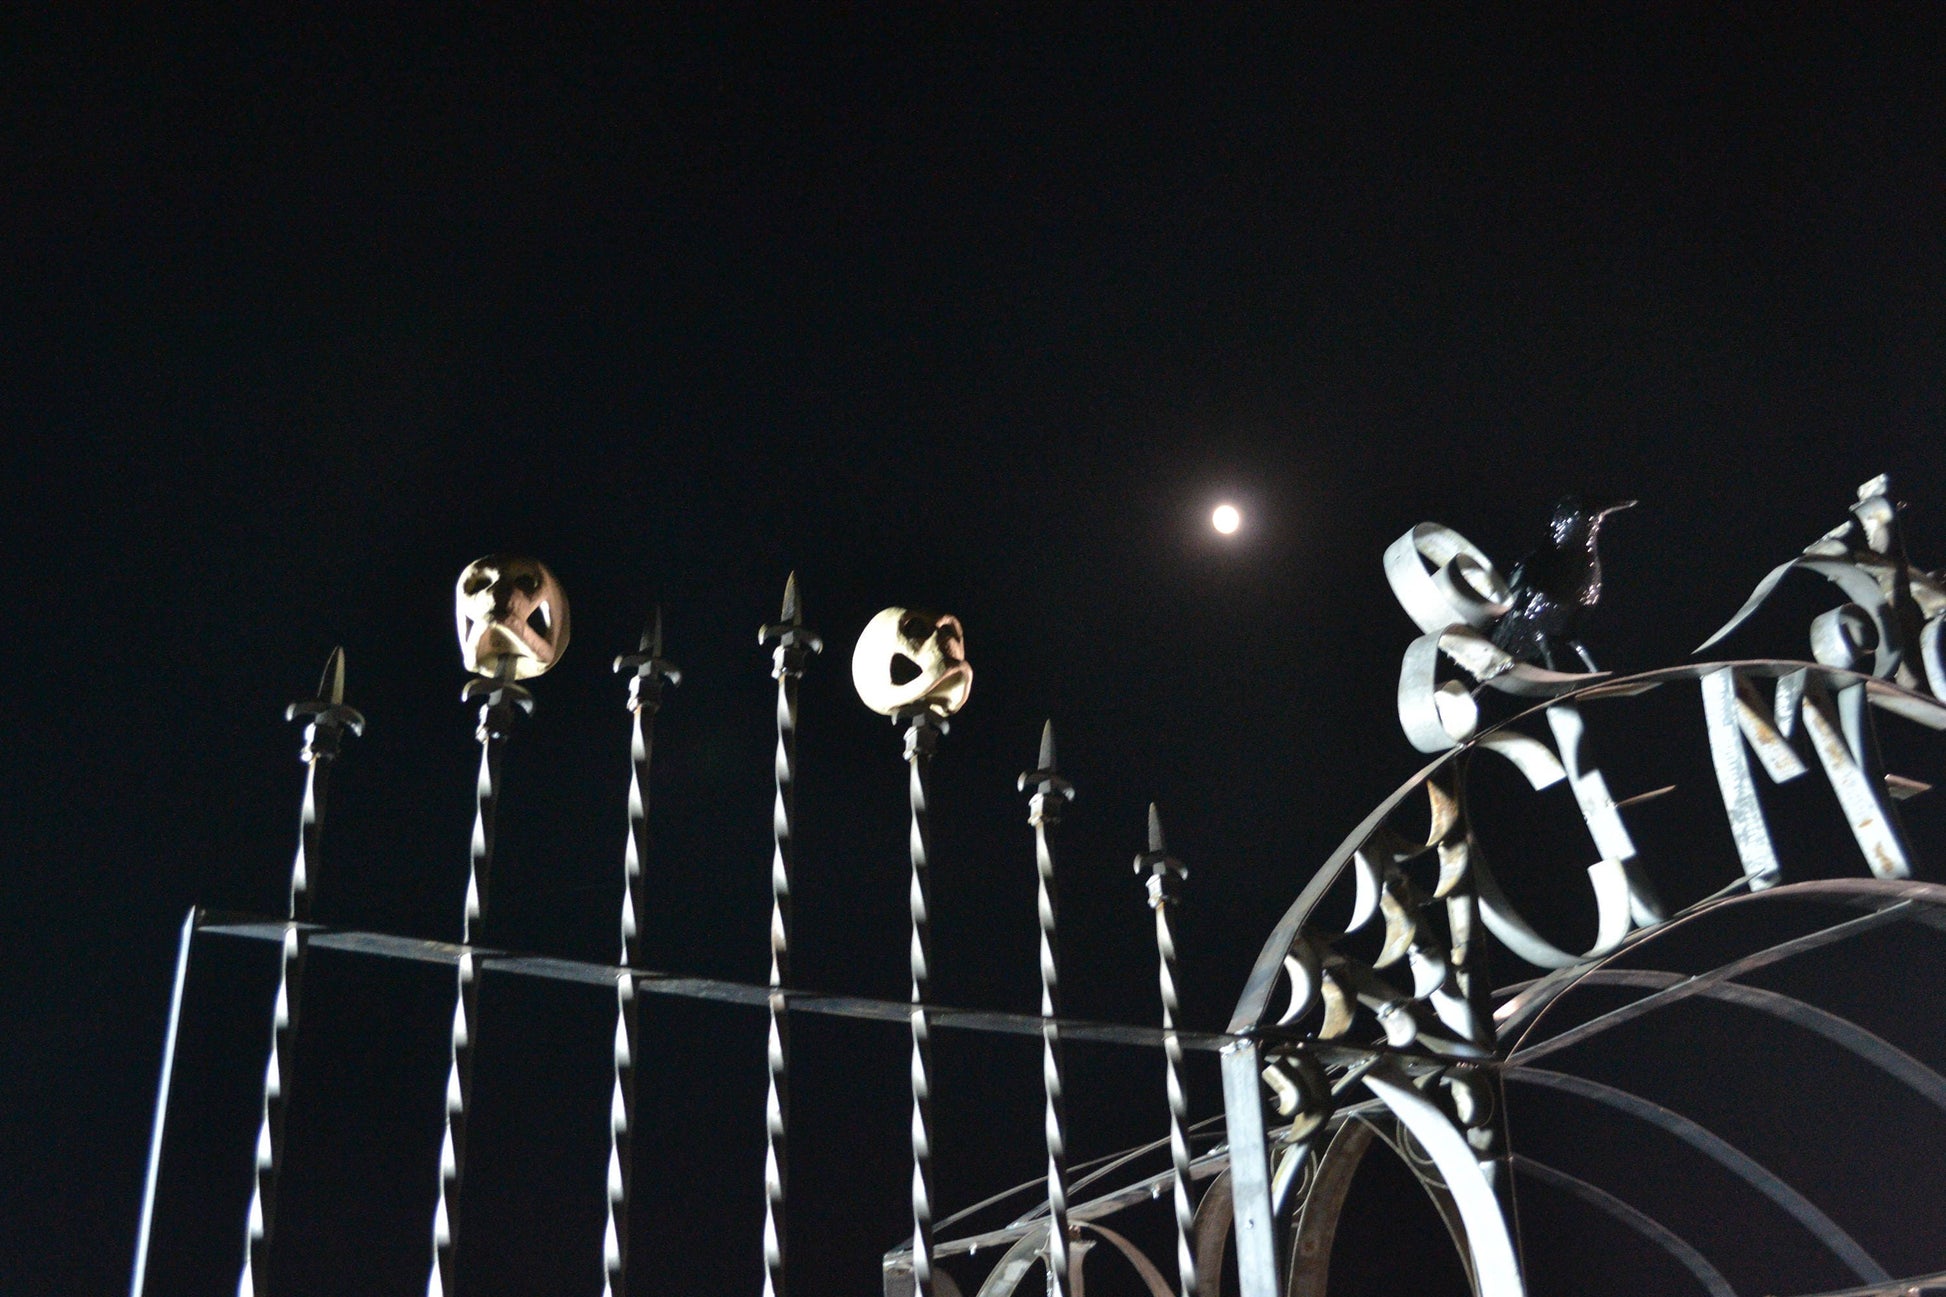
<point x="789" y="635"/>
<point x="792" y="613"/>
<point x="331" y="688"/>
<point x="1044" y="781"/>
<point x="647" y="661"/>
<point x="1157" y="860"/>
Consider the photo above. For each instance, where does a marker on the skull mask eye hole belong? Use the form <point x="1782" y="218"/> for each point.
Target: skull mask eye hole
<point x="527" y="583"/>
<point x="904" y="669"/>
<point x="478" y="582"/>
<point x="914" y="628"/>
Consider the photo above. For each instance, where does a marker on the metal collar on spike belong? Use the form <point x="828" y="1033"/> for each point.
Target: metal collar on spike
<point x="503" y="702"/>
<point x="651" y="669"/>
<point x="1051" y="792"/>
<point x="923" y="726"/>
<point x="790" y="640"/>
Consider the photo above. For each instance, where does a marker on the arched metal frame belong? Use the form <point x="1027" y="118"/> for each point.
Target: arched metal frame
<point x="1250" y="1161"/>
<point x="1298" y="1266"/>
<point x="1444" y="1059"/>
<point x="1314" y="1222"/>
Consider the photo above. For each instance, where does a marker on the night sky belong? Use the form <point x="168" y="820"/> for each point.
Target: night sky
<point x="977" y="310"/>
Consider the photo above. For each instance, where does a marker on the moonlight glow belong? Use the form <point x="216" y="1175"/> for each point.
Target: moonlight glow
<point x="1226" y="519"/>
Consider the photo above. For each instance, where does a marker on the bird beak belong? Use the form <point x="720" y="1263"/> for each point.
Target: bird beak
<point x="1617" y="507"/>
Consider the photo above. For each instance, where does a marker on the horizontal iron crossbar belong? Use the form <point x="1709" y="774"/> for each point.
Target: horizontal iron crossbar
<point x="650" y="982"/>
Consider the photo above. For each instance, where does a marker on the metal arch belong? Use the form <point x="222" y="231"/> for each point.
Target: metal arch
<point x="1213" y="1215"/>
<point x="1883" y="897"/>
<point x="1912" y="1286"/>
<point x="1647" y="1226"/>
<point x="1031" y="1250"/>
<point x="1253" y="1005"/>
<point x="1316" y="1227"/>
<point x="1689" y="986"/>
<point x="1311" y="1243"/>
<point x="1928" y="903"/>
<point x="1841" y="1031"/>
<point x="1725" y="1154"/>
<point x="1495" y="1266"/>
<point x="1889" y="900"/>
<point x="1532" y="997"/>
<point x="1014" y="1264"/>
<point x="1317" y="1219"/>
<point x="1158" y="1286"/>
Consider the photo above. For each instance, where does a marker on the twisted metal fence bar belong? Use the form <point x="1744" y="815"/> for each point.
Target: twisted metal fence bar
<point x="651" y="672"/>
<point x="328" y="719"/>
<point x="921" y="740"/>
<point x="1166" y="875"/>
<point x="792" y="644"/>
<point x="504" y="702"/>
<point x="1051" y="794"/>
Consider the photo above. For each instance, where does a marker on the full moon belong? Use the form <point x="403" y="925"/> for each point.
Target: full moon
<point x="1226" y="519"/>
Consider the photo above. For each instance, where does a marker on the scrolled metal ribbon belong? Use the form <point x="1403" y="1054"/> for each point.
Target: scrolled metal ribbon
<point x="1454" y="592"/>
<point x="1883" y="589"/>
<point x="1463" y="586"/>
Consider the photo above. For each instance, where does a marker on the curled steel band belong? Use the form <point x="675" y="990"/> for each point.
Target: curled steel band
<point x="1897" y="613"/>
<point x="791" y="645"/>
<point x="327" y="718"/>
<point x="651" y="672"/>
<point x="502" y="704"/>
<point x="1373" y="843"/>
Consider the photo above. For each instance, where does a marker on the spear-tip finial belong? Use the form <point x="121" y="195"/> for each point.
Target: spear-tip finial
<point x="327" y="712"/>
<point x="1157" y="861"/>
<point x="331" y="686"/>
<point x="647" y="661"/>
<point x="1045" y="783"/>
<point x="792" y="640"/>
<point x="792" y="613"/>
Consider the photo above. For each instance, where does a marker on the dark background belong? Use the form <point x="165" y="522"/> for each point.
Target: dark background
<point x="982" y="310"/>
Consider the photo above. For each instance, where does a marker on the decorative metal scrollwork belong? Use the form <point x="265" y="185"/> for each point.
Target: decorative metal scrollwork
<point x="1412" y="1025"/>
<point x="1897" y="612"/>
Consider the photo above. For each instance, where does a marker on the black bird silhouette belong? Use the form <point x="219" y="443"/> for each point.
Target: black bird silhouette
<point x="1553" y="586"/>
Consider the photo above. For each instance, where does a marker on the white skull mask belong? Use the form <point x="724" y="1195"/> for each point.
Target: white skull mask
<point x="907" y="658"/>
<point x="512" y="617"/>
